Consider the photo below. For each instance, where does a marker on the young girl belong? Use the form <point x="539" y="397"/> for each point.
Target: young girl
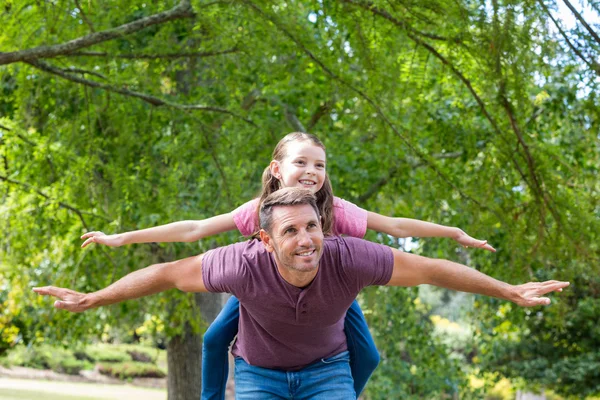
<point x="299" y="159"/>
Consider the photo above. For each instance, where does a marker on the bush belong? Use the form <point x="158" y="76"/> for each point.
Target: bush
<point x="132" y="369"/>
<point x="46" y="357"/>
<point x="106" y="353"/>
<point x="68" y="365"/>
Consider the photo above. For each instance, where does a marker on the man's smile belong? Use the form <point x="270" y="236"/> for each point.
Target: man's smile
<point x="306" y="253"/>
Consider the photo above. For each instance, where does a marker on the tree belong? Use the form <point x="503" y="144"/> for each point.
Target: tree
<point x="463" y="114"/>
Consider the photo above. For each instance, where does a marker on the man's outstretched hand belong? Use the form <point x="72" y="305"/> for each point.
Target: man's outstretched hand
<point x="532" y="294"/>
<point x="69" y="300"/>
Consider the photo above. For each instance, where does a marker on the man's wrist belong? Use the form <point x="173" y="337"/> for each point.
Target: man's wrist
<point x="90" y="300"/>
<point x="510" y="293"/>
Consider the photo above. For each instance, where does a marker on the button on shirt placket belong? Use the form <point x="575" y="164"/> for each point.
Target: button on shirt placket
<point x="302" y="311"/>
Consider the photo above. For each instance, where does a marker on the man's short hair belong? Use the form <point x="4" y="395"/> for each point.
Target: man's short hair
<point x="291" y="196"/>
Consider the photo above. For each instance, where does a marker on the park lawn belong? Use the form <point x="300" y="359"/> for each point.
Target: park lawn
<point x="29" y="389"/>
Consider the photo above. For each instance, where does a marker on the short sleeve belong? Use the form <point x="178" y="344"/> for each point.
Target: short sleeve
<point x="372" y="263"/>
<point x="246" y="218"/>
<point x="349" y="219"/>
<point x="223" y="268"/>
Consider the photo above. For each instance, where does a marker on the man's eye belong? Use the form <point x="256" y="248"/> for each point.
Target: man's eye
<point x="290" y="230"/>
<point x="313" y="225"/>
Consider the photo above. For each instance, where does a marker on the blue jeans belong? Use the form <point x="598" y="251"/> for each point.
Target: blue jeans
<point x="327" y="379"/>
<point x="364" y="356"/>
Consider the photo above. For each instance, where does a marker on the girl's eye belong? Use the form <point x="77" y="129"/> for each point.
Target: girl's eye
<point x="300" y="162"/>
<point x="320" y="165"/>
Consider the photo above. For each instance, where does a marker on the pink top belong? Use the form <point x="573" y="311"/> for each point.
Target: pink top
<point x="349" y="219"/>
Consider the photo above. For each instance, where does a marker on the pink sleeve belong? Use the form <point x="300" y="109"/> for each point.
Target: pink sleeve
<point x="245" y="217"/>
<point x="350" y="219"/>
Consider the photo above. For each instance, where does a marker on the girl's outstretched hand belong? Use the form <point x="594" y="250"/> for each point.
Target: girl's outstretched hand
<point x="468" y="241"/>
<point x="101" y="238"/>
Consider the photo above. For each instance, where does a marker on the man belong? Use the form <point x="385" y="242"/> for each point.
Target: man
<point x="294" y="289"/>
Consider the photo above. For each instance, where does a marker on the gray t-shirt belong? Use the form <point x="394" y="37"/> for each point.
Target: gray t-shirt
<point x="285" y="327"/>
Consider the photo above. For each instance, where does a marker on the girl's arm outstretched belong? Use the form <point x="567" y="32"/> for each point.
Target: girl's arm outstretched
<point x="405" y="227"/>
<point x="181" y="231"/>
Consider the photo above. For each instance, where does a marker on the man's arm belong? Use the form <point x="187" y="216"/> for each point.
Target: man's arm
<point x="412" y="270"/>
<point x="185" y="275"/>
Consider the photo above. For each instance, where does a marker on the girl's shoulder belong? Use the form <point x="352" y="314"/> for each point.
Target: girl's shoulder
<point x="349" y="218"/>
<point x="245" y="217"/>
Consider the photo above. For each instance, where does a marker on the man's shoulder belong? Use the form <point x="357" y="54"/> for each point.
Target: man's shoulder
<point x="241" y="249"/>
<point x="348" y="245"/>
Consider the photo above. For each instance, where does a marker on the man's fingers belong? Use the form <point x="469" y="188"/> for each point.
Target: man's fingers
<point x="542" y="301"/>
<point x="553" y="286"/>
<point x="50" y="291"/>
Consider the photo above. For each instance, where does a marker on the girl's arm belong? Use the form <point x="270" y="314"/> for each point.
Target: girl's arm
<point x="405" y="227"/>
<point x="182" y="231"/>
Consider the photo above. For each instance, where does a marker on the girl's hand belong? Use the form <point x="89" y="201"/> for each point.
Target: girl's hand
<point x="468" y="241"/>
<point x="101" y="238"/>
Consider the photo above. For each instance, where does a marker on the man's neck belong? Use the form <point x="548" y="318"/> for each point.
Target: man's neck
<point x="296" y="278"/>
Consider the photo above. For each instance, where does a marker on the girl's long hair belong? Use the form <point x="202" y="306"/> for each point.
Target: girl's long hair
<point x="324" y="196"/>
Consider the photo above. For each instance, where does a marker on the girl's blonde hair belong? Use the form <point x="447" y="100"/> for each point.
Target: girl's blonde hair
<point x="324" y="196"/>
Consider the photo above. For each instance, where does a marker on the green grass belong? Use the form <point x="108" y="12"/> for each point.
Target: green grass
<point x="35" y="389"/>
<point x="16" y="394"/>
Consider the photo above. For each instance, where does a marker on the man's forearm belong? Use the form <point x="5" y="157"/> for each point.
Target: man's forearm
<point x="450" y="275"/>
<point x="144" y="282"/>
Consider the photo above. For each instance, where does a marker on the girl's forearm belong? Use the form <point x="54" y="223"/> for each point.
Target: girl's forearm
<point x="405" y="227"/>
<point x="181" y="231"/>
<point x="415" y="228"/>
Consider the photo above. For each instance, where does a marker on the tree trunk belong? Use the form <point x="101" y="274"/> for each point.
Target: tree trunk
<point x="184" y="353"/>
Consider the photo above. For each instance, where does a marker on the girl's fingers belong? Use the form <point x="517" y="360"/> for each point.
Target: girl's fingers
<point x="489" y="248"/>
<point x="90" y="240"/>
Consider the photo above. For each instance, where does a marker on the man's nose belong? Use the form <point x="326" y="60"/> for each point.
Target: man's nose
<point x="304" y="238"/>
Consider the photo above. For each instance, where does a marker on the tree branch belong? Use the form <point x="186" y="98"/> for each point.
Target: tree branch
<point x="168" y="56"/>
<point x="374" y="188"/>
<point x="60" y="203"/>
<point x="583" y="22"/>
<point x="182" y="10"/>
<point x="155" y="101"/>
<point x="84" y="17"/>
<point x="320" y="112"/>
<point x="84" y="71"/>
<point x="595" y="68"/>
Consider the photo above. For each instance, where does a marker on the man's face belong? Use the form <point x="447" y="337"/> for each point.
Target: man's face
<point x="296" y="240"/>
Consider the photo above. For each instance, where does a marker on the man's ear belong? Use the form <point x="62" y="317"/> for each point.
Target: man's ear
<point x="266" y="239"/>
<point x="275" y="168"/>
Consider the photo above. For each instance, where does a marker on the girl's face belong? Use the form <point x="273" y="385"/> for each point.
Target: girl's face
<point x="303" y="166"/>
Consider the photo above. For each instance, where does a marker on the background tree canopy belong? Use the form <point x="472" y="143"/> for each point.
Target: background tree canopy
<point x="123" y="115"/>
